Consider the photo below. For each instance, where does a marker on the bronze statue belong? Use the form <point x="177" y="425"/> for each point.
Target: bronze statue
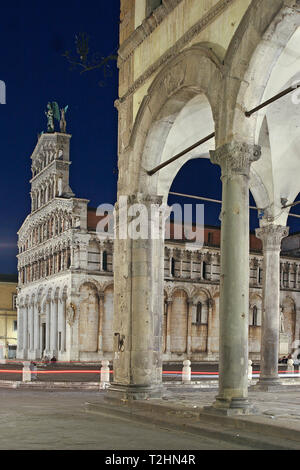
<point x="53" y="112"/>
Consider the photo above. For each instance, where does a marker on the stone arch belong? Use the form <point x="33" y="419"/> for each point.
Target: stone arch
<point x="180" y="287"/>
<point x="193" y="72"/>
<point x="254" y="48"/>
<point x="198" y="291"/>
<point x="88" y="318"/>
<point x="92" y="282"/>
<point x="254" y="51"/>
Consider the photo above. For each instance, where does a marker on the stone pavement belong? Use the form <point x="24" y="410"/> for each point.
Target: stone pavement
<point x="275" y="426"/>
<point x="57" y="420"/>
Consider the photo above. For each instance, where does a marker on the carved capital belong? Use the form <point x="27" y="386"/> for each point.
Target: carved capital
<point x="235" y="158"/>
<point x="271" y="236"/>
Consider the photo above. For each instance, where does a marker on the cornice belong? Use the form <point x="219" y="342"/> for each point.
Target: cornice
<point x="140" y="34"/>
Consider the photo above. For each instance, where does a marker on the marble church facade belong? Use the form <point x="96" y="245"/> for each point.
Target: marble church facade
<point x="66" y="285"/>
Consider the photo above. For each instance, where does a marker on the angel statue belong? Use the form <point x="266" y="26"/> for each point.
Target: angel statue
<point x="62" y="122"/>
<point x="50" y="118"/>
<point x="53" y="112"/>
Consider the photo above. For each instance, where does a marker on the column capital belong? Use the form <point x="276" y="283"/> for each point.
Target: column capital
<point x="235" y="158"/>
<point x="271" y="236"/>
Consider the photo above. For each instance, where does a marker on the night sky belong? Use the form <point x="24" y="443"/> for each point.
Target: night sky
<point x="33" y="37"/>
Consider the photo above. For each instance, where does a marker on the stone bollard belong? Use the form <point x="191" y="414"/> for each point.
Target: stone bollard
<point x="250" y="370"/>
<point x="290" y="365"/>
<point x="2" y="359"/>
<point x="104" y="374"/>
<point x="26" y="373"/>
<point x="33" y="368"/>
<point x="186" y="372"/>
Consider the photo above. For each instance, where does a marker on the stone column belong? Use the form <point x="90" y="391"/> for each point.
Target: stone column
<point x="63" y="325"/>
<point x="170" y="262"/>
<point x="189" y="328"/>
<point x="53" y="330"/>
<point x="210" y="304"/>
<point x="235" y="160"/>
<point x="25" y="331"/>
<point x="20" y="336"/>
<point x="48" y="323"/>
<point x="36" y="330"/>
<point x="60" y="322"/>
<point x="168" y="332"/>
<point x="271" y="236"/>
<point x="31" y="326"/>
<point x="101" y="314"/>
<point x="138" y="298"/>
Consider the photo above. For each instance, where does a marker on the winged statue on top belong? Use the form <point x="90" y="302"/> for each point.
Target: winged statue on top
<point x="54" y="112"/>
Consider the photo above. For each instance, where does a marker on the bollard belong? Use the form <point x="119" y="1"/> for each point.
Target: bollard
<point x="26" y="373"/>
<point x="249" y="370"/>
<point x="186" y="372"/>
<point x="290" y="365"/>
<point x="104" y="374"/>
<point x="2" y="359"/>
<point x="33" y="368"/>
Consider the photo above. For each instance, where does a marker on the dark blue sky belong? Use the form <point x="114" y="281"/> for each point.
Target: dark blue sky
<point x="33" y="37"/>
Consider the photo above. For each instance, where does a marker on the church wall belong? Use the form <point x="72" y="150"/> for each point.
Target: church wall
<point x="88" y="334"/>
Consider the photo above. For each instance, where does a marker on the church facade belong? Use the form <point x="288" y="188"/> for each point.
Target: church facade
<point x="66" y="278"/>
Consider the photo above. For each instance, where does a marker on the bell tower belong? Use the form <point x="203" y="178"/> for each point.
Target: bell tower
<point x="50" y="169"/>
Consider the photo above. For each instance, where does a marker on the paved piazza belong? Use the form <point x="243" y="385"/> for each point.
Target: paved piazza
<point x="32" y="420"/>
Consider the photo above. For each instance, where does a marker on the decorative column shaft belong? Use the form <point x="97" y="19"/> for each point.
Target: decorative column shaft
<point x="189" y="328"/>
<point x="271" y="236"/>
<point x="63" y="325"/>
<point x="53" y="334"/>
<point x="48" y="323"/>
<point x="60" y="323"/>
<point x="31" y="326"/>
<point x="101" y="315"/>
<point x="36" y="330"/>
<point x="168" y="328"/>
<point x="20" y="336"/>
<point x="235" y="160"/>
<point x="210" y="304"/>
<point x="25" y="330"/>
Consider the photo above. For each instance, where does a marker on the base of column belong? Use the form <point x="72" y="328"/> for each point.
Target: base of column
<point x="230" y="407"/>
<point x="34" y="354"/>
<point x="21" y="354"/>
<point x="268" y="384"/>
<point x="134" y="392"/>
